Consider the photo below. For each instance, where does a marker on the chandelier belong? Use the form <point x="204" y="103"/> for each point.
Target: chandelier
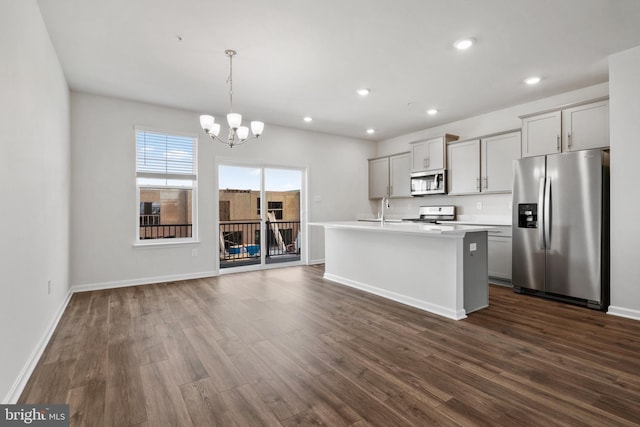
<point x="237" y="134"/>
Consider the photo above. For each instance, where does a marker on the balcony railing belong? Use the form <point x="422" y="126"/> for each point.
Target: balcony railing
<point x="165" y="231"/>
<point x="240" y="242"/>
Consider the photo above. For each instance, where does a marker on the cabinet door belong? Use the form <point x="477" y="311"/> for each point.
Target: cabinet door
<point x="463" y="162"/>
<point x="498" y="154"/>
<point x="378" y="178"/>
<point x="541" y="134"/>
<point x="400" y="175"/>
<point x="586" y="126"/>
<point x="418" y="156"/>
<point x="435" y="153"/>
<point x="499" y="257"/>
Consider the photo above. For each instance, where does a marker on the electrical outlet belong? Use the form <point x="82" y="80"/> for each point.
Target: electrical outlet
<point x="49" y="287"/>
<point x="194" y="252"/>
<point x="479" y="206"/>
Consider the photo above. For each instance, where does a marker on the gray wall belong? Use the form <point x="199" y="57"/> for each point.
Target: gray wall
<point x="624" y="69"/>
<point x="34" y="189"/>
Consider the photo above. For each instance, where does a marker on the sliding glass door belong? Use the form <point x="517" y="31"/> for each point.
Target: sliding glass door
<point x="260" y="215"/>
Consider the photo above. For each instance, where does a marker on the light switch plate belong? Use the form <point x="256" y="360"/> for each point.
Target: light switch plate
<point x="473" y="247"/>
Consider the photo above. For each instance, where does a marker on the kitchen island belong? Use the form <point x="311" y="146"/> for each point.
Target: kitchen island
<point x="435" y="267"/>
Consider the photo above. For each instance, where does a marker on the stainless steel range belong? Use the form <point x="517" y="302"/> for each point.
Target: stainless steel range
<point x="434" y="214"/>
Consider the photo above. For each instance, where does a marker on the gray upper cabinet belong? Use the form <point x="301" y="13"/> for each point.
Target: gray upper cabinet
<point x="497" y="154"/>
<point x="541" y="134"/>
<point x="483" y="165"/>
<point x="399" y="175"/>
<point x="430" y="154"/>
<point x="390" y="176"/>
<point x="580" y="127"/>
<point x="463" y="162"/>
<point x="378" y="178"/>
<point x="586" y="126"/>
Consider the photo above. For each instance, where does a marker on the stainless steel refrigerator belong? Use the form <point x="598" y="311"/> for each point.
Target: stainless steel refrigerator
<point x="561" y="227"/>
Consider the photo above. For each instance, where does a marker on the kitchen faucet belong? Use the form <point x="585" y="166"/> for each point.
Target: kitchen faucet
<point x="385" y="202"/>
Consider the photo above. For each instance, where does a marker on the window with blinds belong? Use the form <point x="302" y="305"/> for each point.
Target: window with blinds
<point x="166" y="176"/>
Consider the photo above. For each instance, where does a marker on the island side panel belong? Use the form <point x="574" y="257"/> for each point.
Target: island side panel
<point x="476" y="274"/>
<point x="423" y="271"/>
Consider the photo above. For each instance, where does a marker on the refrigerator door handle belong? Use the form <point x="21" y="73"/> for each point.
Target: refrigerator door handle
<point x="541" y="211"/>
<point x="547" y="214"/>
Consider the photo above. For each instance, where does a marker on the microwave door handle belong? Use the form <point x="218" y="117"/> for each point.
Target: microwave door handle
<point x="541" y="222"/>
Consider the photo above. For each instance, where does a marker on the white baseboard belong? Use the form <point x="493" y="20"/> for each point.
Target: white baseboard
<point x="142" y="281"/>
<point x="624" y="312"/>
<point x="413" y="302"/>
<point x="21" y="381"/>
<point x="315" y="261"/>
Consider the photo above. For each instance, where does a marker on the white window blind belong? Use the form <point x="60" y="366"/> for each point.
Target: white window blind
<point x="168" y="157"/>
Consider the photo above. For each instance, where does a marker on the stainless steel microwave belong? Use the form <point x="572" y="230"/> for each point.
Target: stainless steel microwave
<point x="429" y="182"/>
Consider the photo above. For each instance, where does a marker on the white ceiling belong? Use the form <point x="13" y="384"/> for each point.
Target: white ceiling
<point x="302" y="57"/>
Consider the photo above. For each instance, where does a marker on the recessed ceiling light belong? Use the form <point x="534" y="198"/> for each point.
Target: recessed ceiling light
<point x="432" y="111"/>
<point x="363" y="92"/>
<point x="464" y="44"/>
<point x="307" y="119"/>
<point x="371" y="131"/>
<point x="532" y="80"/>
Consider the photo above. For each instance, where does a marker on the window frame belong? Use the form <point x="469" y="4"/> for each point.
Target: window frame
<point x="194" y="188"/>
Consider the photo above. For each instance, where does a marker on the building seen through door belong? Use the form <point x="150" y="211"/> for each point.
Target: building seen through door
<point x="241" y="226"/>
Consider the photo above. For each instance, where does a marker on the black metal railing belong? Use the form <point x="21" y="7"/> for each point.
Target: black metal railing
<point x="240" y="242"/>
<point x="283" y="238"/>
<point x="165" y="231"/>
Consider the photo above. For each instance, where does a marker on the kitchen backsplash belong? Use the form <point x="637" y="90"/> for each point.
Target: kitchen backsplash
<point x="471" y="208"/>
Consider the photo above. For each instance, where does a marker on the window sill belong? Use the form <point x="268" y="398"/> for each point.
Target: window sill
<point x="163" y="243"/>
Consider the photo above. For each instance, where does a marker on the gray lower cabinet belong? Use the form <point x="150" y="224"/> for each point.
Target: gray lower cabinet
<point x="499" y="253"/>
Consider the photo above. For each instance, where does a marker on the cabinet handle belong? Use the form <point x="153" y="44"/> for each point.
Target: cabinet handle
<point x="558" y="142"/>
<point x="428" y="161"/>
<point x="486" y="183"/>
<point x="477" y="183"/>
<point x="390" y="190"/>
<point x="568" y="139"/>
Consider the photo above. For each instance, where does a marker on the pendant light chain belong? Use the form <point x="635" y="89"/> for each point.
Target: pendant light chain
<point x="230" y="79"/>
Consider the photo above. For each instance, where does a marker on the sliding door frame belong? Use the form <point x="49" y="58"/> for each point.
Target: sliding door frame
<point x="304" y="205"/>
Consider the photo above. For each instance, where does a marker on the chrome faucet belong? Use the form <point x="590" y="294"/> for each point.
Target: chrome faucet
<point x="384" y="203"/>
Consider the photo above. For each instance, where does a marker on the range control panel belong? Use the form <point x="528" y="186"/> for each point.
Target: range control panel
<point x="527" y="215"/>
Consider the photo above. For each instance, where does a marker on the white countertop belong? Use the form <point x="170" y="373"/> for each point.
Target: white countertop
<point x="491" y="223"/>
<point x="495" y="220"/>
<point x="450" y="230"/>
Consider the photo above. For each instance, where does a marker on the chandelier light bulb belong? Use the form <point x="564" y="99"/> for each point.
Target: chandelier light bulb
<point x="243" y="133"/>
<point x="257" y="128"/>
<point x="206" y="122"/>
<point x="215" y="129"/>
<point x="234" y="120"/>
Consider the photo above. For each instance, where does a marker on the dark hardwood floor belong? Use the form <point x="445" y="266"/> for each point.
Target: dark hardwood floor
<point x="285" y="347"/>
